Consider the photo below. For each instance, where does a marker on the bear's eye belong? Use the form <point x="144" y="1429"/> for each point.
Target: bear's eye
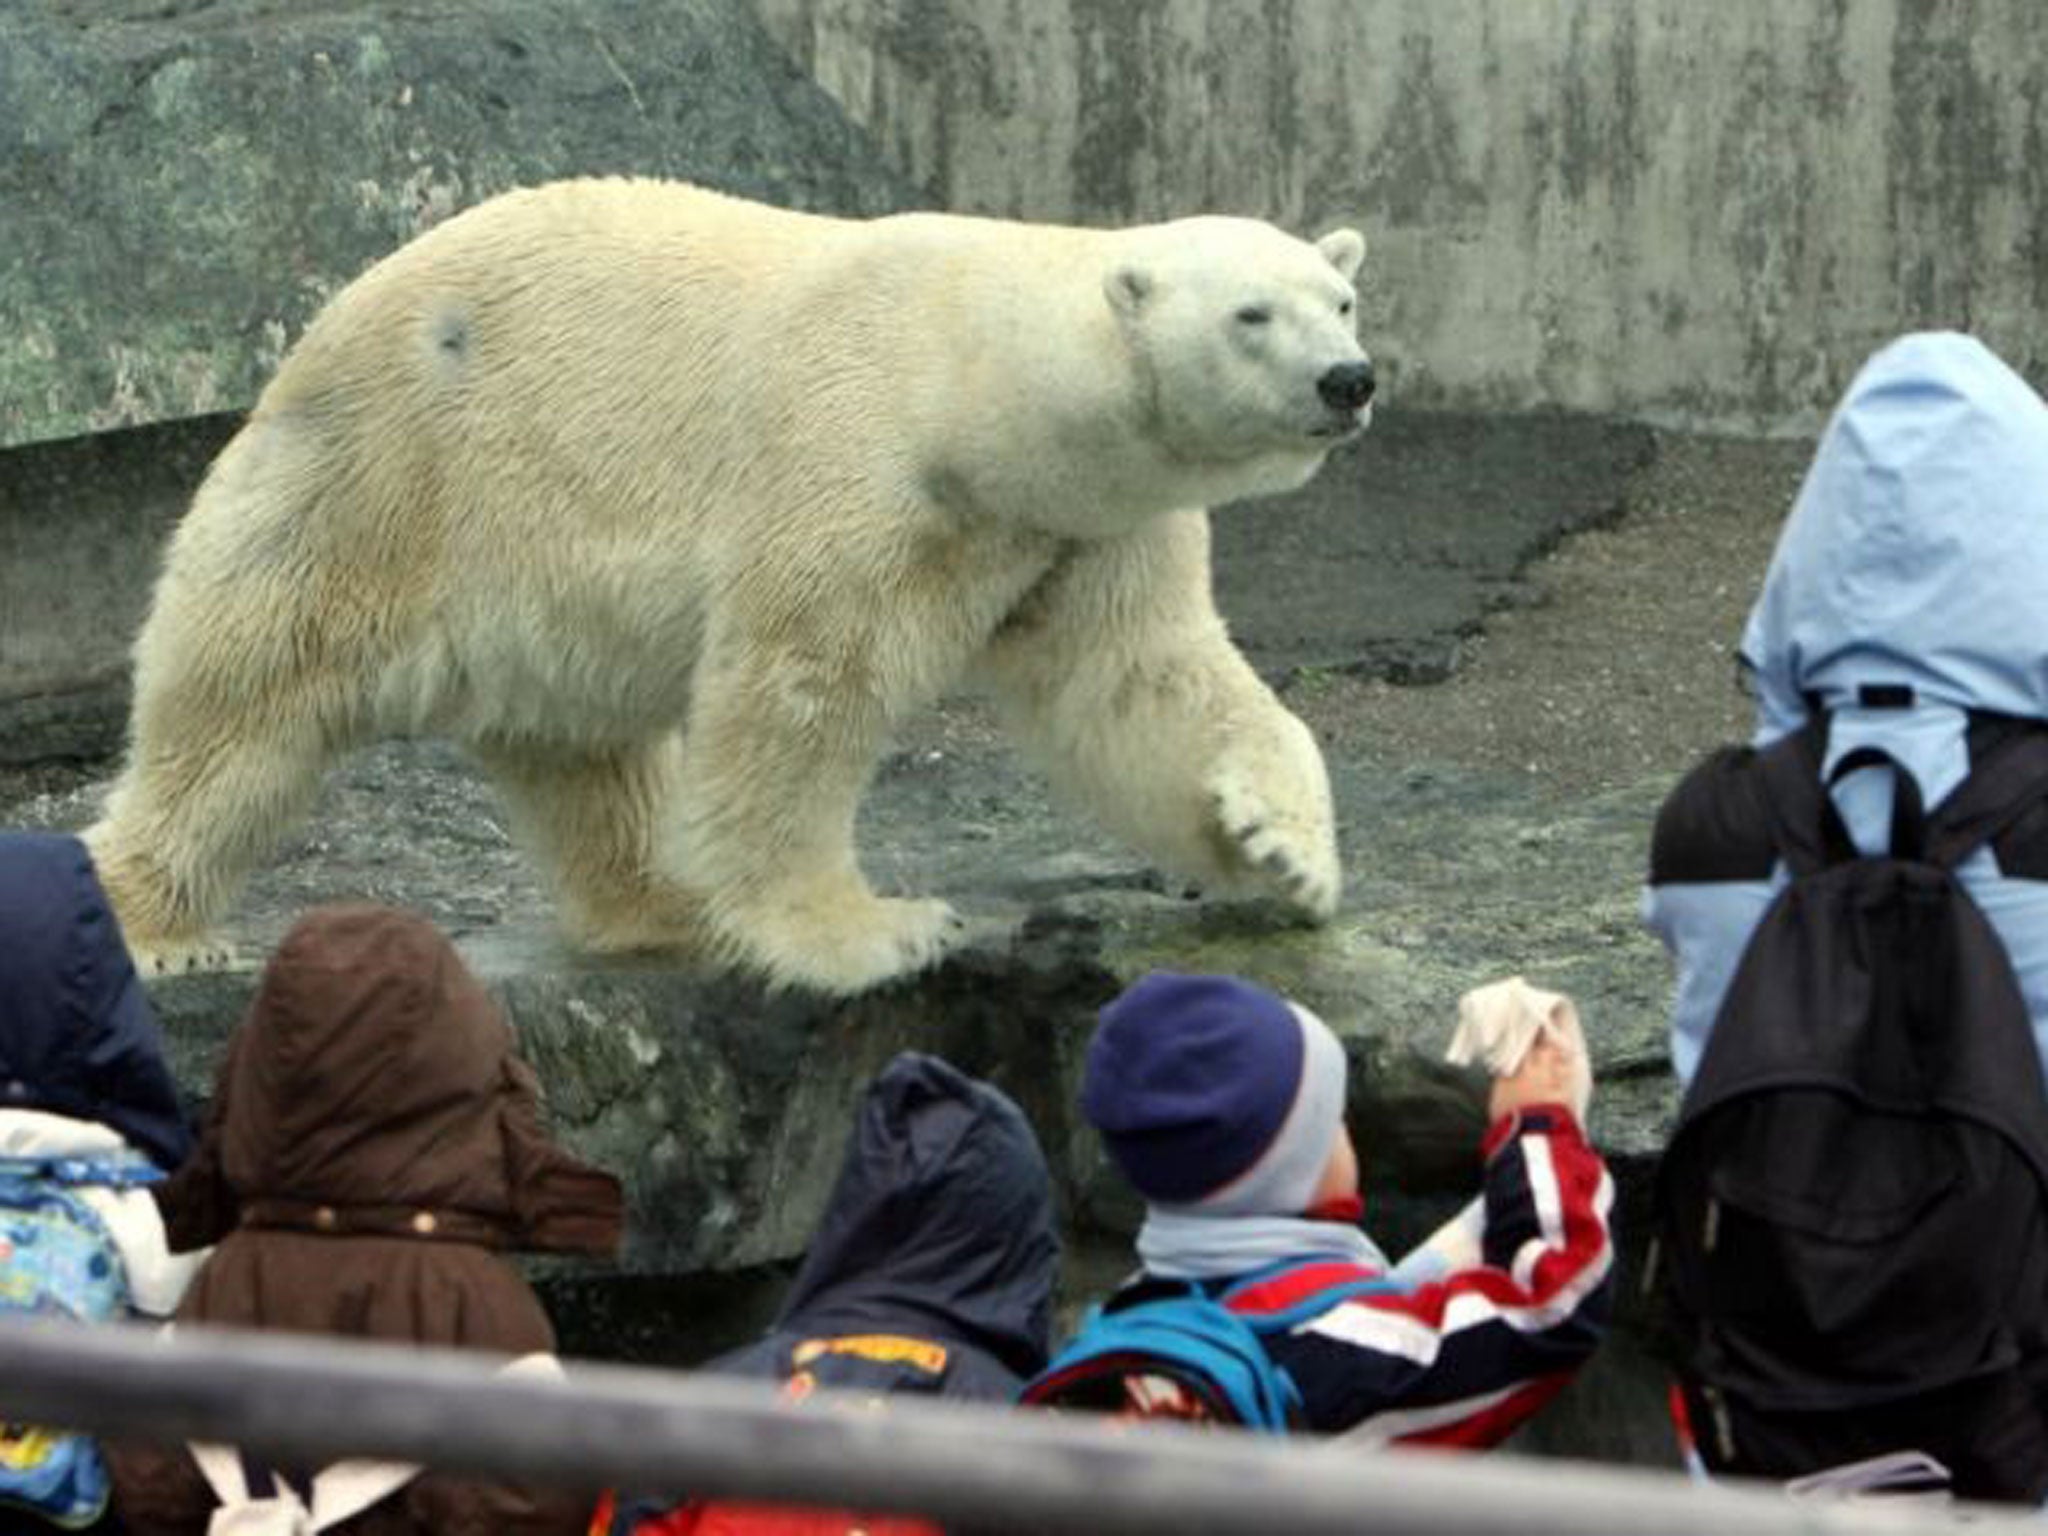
<point x="1344" y="308"/>
<point x="1255" y="314"/>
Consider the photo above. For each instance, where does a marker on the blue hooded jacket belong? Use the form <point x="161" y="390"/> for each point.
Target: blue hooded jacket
<point x="932" y="1268"/>
<point x="77" y="1034"/>
<point x="1915" y="562"/>
<point x="939" y="1227"/>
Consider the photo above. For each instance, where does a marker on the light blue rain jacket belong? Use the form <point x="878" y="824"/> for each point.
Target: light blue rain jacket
<point x="1915" y="555"/>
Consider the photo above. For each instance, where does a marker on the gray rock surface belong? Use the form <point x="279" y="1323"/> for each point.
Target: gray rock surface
<point x="185" y="181"/>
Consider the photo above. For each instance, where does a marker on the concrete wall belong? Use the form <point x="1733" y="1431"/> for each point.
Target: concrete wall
<point x="1699" y="213"/>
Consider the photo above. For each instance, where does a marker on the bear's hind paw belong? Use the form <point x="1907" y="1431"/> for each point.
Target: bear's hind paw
<point x="182" y="957"/>
<point x="874" y="942"/>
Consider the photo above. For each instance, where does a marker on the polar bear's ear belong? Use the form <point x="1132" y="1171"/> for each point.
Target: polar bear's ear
<point x="1344" y="249"/>
<point x="1128" y="287"/>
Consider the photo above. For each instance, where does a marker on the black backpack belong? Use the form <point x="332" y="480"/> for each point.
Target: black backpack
<point x="1854" y="1203"/>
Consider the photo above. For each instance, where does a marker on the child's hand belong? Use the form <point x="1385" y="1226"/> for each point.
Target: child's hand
<point x="1532" y="1042"/>
<point x="1553" y="1072"/>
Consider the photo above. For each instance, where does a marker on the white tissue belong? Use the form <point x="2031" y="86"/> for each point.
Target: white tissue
<point x="1499" y="1023"/>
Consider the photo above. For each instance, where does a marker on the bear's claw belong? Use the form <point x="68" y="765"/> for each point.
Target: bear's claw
<point x="182" y="957"/>
<point x="1288" y="859"/>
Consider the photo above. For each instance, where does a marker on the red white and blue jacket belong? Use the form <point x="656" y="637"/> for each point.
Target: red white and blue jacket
<point x="1462" y="1359"/>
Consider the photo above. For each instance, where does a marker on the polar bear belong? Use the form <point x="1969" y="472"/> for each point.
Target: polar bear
<point x="669" y="505"/>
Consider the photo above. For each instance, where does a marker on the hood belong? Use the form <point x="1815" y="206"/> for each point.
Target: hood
<point x="374" y="1074"/>
<point x="1916" y="555"/>
<point x="77" y="1034"/>
<point x="943" y="1208"/>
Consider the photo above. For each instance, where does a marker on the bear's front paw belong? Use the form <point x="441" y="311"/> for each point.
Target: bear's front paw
<point x="1269" y="849"/>
<point x="181" y="957"/>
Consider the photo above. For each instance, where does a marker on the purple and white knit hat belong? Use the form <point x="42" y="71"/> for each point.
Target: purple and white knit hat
<point x="1214" y="1094"/>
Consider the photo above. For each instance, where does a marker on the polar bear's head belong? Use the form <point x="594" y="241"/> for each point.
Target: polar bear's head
<point x="1245" y="343"/>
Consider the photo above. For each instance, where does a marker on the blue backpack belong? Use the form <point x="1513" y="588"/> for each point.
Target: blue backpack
<point x="57" y="1259"/>
<point x="1184" y="1353"/>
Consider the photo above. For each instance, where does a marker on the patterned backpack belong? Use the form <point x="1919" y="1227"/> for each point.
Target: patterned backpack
<point x="57" y="1259"/>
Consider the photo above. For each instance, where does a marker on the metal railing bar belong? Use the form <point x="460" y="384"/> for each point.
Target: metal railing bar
<point x="309" y="1401"/>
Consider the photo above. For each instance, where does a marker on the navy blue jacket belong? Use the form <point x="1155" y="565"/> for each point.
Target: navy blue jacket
<point x="932" y="1269"/>
<point x="77" y="1034"/>
<point x="939" y="1230"/>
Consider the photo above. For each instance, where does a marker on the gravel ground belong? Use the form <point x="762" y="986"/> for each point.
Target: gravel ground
<point x="1620" y="666"/>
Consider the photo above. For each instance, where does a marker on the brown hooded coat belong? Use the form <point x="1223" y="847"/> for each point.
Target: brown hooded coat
<point x="373" y="1146"/>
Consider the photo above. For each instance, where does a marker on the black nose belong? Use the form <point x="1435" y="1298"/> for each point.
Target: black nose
<point x="1346" y="387"/>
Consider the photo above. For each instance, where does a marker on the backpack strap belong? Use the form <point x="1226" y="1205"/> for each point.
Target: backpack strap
<point x="1807" y="826"/>
<point x="1909" y="812"/>
<point x="1804" y="824"/>
<point x="337" y="1492"/>
<point x="1265" y="1320"/>
<point x="113" y="1171"/>
<point x="232" y="1476"/>
<point x="1809" y="832"/>
<point x="264" y="1482"/>
<point x="2001" y="788"/>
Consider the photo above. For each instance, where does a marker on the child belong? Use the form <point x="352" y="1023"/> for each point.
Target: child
<point x="89" y="1118"/>
<point x="1223" y="1105"/>
<point x="931" y="1272"/>
<point x="1898" y="652"/>
<point x="373" y="1149"/>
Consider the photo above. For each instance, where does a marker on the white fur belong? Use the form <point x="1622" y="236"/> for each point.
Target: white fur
<point x="670" y="505"/>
